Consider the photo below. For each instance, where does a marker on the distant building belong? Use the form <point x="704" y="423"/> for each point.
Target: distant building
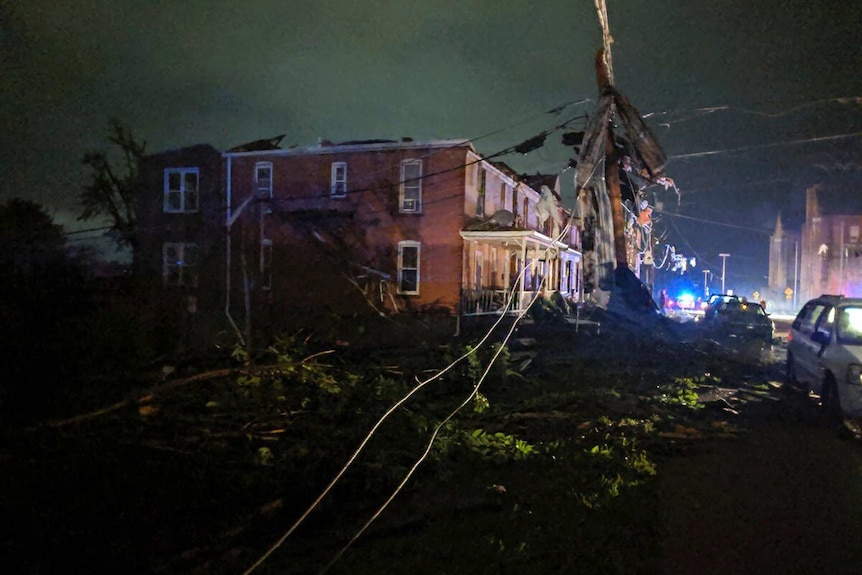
<point x="825" y="257"/>
<point x="830" y="252"/>
<point x="260" y="239"/>
<point x="783" y="267"/>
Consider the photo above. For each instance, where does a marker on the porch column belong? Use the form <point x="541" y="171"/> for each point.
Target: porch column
<point x="523" y="273"/>
<point x="507" y="276"/>
<point x="555" y="267"/>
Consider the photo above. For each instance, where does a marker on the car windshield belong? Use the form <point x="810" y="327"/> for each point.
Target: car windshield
<point x="719" y="299"/>
<point x="752" y="308"/>
<point x="740" y="306"/>
<point x="850" y="325"/>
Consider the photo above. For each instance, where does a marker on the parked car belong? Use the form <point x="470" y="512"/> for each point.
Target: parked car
<point x="824" y="353"/>
<point x="729" y="316"/>
<point x="716" y="300"/>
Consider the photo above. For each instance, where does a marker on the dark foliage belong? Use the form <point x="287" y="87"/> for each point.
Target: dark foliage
<point x="112" y="192"/>
<point x="62" y="330"/>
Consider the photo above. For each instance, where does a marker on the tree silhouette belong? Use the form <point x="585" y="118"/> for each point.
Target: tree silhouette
<point x="30" y="241"/>
<point x="44" y="310"/>
<point x="113" y="191"/>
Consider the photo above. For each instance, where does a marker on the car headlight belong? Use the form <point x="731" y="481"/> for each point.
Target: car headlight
<point x="854" y="374"/>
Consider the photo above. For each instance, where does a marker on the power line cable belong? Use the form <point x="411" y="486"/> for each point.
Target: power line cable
<point x="365" y="441"/>
<point x="521" y="276"/>
<point x="430" y="443"/>
<point x="716" y="223"/>
<point x="525" y="145"/>
<point x="695" y="113"/>
<point x="565" y="230"/>
<point x="767" y="145"/>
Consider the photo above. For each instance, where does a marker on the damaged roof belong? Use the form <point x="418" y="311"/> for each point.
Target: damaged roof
<point x="506" y="169"/>
<point x="502" y="220"/>
<point x="270" y="146"/>
<point x="259" y="145"/>
<point x="536" y="181"/>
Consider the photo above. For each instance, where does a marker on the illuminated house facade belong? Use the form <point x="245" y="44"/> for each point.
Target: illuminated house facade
<point x="783" y="269"/>
<point x="259" y="235"/>
<point x="830" y="253"/>
<point x="825" y="257"/>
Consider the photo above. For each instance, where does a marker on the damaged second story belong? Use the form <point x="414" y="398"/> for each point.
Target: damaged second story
<point x="260" y="234"/>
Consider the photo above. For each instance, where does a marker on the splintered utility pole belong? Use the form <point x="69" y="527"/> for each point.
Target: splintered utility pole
<point x="605" y="79"/>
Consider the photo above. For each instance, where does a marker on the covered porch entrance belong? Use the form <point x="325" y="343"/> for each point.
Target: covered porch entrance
<point x="504" y="271"/>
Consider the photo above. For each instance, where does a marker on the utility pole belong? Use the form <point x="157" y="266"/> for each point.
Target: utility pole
<point x="795" y="273"/>
<point x="723" y="262"/>
<point x="705" y="285"/>
<point x="605" y="79"/>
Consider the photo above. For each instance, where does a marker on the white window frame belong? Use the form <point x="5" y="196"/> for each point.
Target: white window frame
<point x="185" y="264"/>
<point x="338" y="182"/>
<point x="407" y="244"/>
<point x="261" y="186"/>
<point x="412" y="184"/>
<point x="189" y="200"/>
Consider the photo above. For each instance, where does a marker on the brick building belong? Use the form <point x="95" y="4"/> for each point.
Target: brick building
<point x="262" y="239"/>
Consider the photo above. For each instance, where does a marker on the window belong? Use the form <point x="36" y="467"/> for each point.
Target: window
<point x="338" y="186"/>
<point x="263" y="179"/>
<point x="827" y="321"/>
<point x="807" y="318"/>
<point x="480" y="199"/>
<point x="266" y="264"/>
<point x="181" y="190"/>
<point x="408" y="268"/>
<point x="478" y="270"/>
<point x="180" y="264"/>
<point x="850" y="326"/>
<point x="411" y="186"/>
<point x="502" y="203"/>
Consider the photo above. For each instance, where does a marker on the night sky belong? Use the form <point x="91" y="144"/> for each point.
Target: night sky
<point x="755" y="81"/>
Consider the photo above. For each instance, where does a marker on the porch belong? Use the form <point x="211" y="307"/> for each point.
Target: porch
<point x="516" y="265"/>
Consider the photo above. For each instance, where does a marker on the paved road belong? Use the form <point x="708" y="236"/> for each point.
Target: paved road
<point x="784" y="497"/>
<point x="782" y="325"/>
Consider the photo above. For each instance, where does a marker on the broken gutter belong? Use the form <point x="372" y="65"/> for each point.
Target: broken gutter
<point x="373" y="272"/>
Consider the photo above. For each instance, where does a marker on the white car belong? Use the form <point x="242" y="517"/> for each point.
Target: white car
<point x="824" y="353"/>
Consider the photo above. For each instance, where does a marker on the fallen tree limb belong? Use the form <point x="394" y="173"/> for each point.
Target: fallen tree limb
<point x="142" y="397"/>
<point x="147" y="395"/>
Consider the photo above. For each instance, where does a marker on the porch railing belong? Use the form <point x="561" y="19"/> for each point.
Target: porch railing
<point x="490" y="301"/>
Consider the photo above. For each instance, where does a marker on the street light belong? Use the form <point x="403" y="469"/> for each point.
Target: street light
<point x="723" y="262"/>
<point x="705" y="285"/>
